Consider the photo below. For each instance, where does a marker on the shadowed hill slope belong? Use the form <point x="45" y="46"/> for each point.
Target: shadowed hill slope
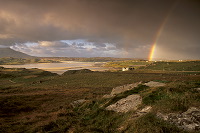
<point x="8" y="52"/>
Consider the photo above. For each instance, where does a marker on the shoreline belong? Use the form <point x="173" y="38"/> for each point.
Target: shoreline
<point x="60" y="68"/>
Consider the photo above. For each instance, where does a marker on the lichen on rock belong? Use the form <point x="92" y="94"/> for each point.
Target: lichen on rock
<point x="189" y="120"/>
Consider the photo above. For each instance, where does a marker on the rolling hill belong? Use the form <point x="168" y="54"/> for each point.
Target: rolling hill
<point x="8" y="52"/>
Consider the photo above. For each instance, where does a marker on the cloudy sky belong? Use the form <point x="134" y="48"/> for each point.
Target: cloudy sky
<point x="105" y="28"/>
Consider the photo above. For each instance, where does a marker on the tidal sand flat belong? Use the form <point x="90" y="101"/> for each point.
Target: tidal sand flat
<point x="61" y="67"/>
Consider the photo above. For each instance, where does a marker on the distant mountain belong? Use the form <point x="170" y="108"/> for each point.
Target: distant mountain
<point x="8" y="52"/>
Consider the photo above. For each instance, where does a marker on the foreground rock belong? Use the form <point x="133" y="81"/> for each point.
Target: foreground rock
<point x="154" y="84"/>
<point x="126" y="104"/>
<point x="189" y="120"/>
<point x="143" y="111"/>
<point x="120" y="89"/>
<point x="198" y="89"/>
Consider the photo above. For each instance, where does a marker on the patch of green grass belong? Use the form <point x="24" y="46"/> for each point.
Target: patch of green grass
<point x="96" y="119"/>
<point x="153" y="97"/>
<point x="175" y="97"/>
<point x="178" y="102"/>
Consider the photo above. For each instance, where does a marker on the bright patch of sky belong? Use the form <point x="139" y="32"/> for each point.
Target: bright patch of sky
<point x="74" y="41"/>
<point x="68" y="48"/>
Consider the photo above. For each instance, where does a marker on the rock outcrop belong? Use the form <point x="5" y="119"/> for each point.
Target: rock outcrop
<point x="126" y="104"/>
<point x="141" y="112"/>
<point x="189" y="120"/>
<point x="131" y="102"/>
<point x="120" y="89"/>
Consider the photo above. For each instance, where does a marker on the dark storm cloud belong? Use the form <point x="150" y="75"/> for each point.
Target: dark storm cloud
<point x="180" y="34"/>
<point x="129" y="24"/>
<point x="70" y="19"/>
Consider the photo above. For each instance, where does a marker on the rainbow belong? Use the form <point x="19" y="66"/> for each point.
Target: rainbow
<point x="151" y="55"/>
<point x="153" y="48"/>
<point x="159" y="32"/>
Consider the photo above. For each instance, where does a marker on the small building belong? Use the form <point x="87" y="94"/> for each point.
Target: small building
<point x="127" y="68"/>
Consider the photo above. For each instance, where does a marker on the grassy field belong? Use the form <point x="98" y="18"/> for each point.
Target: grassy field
<point x="159" y="65"/>
<point x="120" y="64"/>
<point x="34" y="100"/>
<point x="174" y="66"/>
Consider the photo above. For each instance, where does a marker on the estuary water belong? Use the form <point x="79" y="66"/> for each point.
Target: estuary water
<point x="62" y="67"/>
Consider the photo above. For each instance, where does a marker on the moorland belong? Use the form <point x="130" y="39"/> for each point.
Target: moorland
<point x="34" y="100"/>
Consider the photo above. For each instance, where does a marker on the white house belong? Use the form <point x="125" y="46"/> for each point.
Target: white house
<point x="127" y="68"/>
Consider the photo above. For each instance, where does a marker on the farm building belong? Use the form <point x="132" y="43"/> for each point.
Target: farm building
<point x="127" y="68"/>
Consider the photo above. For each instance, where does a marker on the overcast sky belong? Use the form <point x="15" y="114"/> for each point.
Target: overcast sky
<point x="91" y="28"/>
